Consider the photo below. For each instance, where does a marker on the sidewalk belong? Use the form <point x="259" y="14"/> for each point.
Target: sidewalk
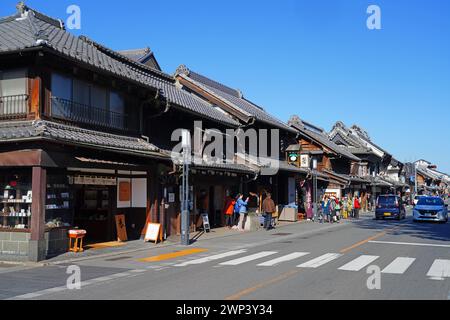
<point x="140" y="245"/>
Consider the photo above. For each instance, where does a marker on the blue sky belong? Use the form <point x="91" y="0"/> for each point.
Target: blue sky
<point x="314" y="58"/>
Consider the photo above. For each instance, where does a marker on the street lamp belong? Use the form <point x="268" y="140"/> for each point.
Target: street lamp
<point x="186" y="145"/>
<point x="314" y="172"/>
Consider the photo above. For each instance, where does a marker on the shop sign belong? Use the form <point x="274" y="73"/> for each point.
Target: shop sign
<point x="92" y="180"/>
<point x="304" y="161"/>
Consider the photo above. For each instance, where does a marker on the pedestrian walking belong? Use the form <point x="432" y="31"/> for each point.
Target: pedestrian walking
<point x="268" y="207"/>
<point x="241" y="208"/>
<point x="333" y="210"/>
<point x="345" y="208"/>
<point x="338" y="209"/>
<point x="228" y="211"/>
<point x="356" y="207"/>
<point x="326" y="208"/>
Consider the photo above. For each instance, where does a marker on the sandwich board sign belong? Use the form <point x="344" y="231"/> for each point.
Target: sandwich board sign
<point x="152" y="233"/>
<point x="206" y="226"/>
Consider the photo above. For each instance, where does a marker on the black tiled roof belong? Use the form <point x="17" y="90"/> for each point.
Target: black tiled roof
<point x="232" y="97"/>
<point x="322" y="138"/>
<point x="40" y="129"/>
<point x="33" y="30"/>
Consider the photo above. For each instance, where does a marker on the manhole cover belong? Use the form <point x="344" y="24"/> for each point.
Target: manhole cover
<point x="118" y="259"/>
<point x="282" y="234"/>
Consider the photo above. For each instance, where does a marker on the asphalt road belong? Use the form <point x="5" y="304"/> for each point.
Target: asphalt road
<point x="301" y="261"/>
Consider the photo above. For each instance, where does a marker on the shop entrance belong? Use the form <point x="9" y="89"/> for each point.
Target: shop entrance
<point x="93" y="212"/>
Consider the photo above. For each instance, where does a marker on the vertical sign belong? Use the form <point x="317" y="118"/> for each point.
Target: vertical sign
<point x="121" y="228"/>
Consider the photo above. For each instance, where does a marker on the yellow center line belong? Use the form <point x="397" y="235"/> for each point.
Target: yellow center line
<point x="172" y="255"/>
<point x="291" y="273"/>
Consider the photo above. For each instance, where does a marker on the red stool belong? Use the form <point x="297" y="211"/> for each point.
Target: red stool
<point x="78" y="236"/>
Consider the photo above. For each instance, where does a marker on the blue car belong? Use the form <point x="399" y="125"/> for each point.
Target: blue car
<point x="390" y="206"/>
<point x="431" y="209"/>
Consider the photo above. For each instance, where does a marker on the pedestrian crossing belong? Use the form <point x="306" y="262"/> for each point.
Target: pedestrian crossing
<point x="439" y="269"/>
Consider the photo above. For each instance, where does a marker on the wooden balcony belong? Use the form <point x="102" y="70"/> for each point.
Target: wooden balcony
<point x="14" y="107"/>
<point x="71" y="111"/>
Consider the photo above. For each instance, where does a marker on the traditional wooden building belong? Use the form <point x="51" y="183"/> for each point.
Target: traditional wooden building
<point x="282" y="183"/>
<point x="337" y="166"/>
<point x="83" y="132"/>
<point x="378" y="167"/>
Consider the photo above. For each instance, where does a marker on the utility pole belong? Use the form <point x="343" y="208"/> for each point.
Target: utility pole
<point x="415" y="179"/>
<point x="186" y="145"/>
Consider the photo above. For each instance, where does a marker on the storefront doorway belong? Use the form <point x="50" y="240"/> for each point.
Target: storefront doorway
<point x="93" y="211"/>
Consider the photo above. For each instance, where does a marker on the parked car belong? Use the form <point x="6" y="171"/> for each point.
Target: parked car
<point x="390" y="206"/>
<point x="431" y="209"/>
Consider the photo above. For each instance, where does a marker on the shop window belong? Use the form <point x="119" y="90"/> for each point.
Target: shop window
<point x="59" y="202"/>
<point x="15" y="200"/>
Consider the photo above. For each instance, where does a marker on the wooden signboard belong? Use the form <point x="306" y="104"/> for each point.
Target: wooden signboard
<point x="121" y="228"/>
<point x="153" y="232"/>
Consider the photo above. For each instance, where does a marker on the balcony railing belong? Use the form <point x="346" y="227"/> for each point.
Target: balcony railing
<point x="76" y="112"/>
<point x="12" y="107"/>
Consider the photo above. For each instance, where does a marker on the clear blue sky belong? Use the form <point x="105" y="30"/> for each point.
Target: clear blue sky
<point x="313" y="58"/>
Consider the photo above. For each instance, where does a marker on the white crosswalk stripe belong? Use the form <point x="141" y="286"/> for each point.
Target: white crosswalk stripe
<point x="320" y="261"/>
<point x="439" y="270"/>
<point x="252" y="257"/>
<point x="285" y="258"/>
<point x="399" y="266"/>
<point x="210" y="258"/>
<point x="359" y="263"/>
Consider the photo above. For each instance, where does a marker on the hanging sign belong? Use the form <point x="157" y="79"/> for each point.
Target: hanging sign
<point x="152" y="233"/>
<point x="124" y="191"/>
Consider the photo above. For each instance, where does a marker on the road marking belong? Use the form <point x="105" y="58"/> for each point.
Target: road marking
<point x="286" y="258"/>
<point x="172" y="255"/>
<point x="252" y="257"/>
<point x="379" y="235"/>
<point x="413" y="244"/>
<point x="293" y="272"/>
<point x="399" y="266"/>
<point x="320" y="261"/>
<point x="211" y="258"/>
<point x="439" y="270"/>
<point x="359" y="263"/>
<point x="262" y="285"/>
<point x="138" y="271"/>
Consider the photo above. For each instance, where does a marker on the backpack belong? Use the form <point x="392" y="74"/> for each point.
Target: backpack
<point x="237" y="207"/>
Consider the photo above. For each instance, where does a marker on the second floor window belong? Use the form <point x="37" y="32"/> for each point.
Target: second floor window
<point x="13" y="92"/>
<point x="81" y="101"/>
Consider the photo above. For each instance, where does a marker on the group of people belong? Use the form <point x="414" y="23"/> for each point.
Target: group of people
<point x="333" y="209"/>
<point x="236" y="210"/>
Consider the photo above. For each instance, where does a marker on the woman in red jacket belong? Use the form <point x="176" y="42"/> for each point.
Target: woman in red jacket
<point x="356" y="207"/>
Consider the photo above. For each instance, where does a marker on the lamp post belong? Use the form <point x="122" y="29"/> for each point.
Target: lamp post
<point x="314" y="172"/>
<point x="186" y="145"/>
<point x="374" y="192"/>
